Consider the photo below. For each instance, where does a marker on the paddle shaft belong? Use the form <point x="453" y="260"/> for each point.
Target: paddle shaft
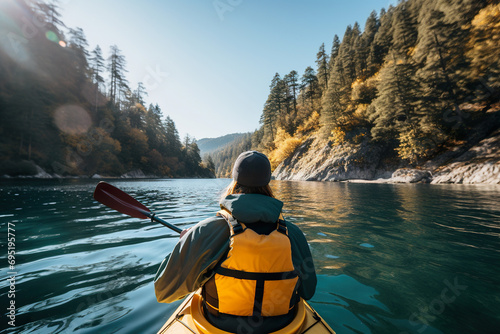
<point x="161" y="221"/>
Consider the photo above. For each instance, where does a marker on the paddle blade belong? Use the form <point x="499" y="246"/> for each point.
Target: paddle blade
<point x="122" y="202"/>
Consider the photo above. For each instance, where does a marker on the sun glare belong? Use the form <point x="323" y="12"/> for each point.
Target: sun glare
<point x="72" y="119"/>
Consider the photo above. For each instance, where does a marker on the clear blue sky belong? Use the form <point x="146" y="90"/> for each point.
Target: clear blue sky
<point x="210" y="68"/>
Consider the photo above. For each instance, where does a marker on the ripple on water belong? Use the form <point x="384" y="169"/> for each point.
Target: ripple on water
<point x="331" y="256"/>
<point x="93" y="269"/>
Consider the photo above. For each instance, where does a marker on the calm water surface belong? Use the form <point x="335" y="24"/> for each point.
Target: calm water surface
<point x="390" y="258"/>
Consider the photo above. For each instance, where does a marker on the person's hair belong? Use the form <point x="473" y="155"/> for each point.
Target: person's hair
<point x="235" y="188"/>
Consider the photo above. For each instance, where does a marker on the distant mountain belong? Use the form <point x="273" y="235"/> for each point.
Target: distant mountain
<point x="210" y="145"/>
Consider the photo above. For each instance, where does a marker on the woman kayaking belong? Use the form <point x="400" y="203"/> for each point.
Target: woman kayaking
<point x="252" y="265"/>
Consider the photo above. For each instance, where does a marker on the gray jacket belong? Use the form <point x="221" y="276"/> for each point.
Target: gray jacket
<point x="193" y="259"/>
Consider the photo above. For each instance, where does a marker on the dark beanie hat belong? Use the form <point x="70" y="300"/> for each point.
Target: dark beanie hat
<point x="252" y="169"/>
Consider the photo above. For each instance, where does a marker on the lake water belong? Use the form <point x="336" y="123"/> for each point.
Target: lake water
<point x="389" y="258"/>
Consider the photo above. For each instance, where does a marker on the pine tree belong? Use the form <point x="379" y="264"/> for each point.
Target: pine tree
<point x="334" y="100"/>
<point x="405" y="29"/>
<point x="97" y="67"/>
<point x="210" y="165"/>
<point x="347" y="55"/>
<point x="382" y="41"/>
<point x="172" y="145"/>
<point x="364" y="46"/>
<point x="334" y="54"/>
<point x="78" y="43"/>
<point x="336" y="111"/>
<point x="50" y="15"/>
<point x="291" y="82"/>
<point x="268" y="121"/>
<point x="139" y="93"/>
<point x="116" y="66"/>
<point x="154" y="127"/>
<point x="310" y="86"/>
<point x="442" y="60"/>
<point x="401" y="117"/>
<point x="275" y="109"/>
<point x="191" y="157"/>
<point x="322" y="67"/>
<point x="395" y="104"/>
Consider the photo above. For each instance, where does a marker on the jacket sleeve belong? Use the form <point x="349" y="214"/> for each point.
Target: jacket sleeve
<point x="191" y="262"/>
<point x="302" y="261"/>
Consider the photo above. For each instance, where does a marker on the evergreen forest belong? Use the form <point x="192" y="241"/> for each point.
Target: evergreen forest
<point x="70" y="111"/>
<point x="418" y="79"/>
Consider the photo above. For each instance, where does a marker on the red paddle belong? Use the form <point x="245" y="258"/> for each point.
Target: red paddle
<point x="122" y="202"/>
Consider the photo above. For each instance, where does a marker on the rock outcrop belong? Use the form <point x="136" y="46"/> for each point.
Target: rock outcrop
<point x="479" y="164"/>
<point x="409" y="175"/>
<point x="41" y="174"/>
<point x="316" y="161"/>
<point x="135" y="174"/>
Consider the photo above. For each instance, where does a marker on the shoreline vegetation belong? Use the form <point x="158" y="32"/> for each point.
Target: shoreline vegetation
<point x="66" y="111"/>
<point x="414" y="96"/>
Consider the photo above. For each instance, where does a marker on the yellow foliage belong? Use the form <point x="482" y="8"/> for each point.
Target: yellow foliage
<point x="337" y="136"/>
<point x="487" y="17"/>
<point x="141" y="108"/>
<point x="309" y="125"/>
<point x="411" y="51"/>
<point x="356" y="83"/>
<point x="285" y="146"/>
<point x="361" y="111"/>
<point x="484" y="44"/>
<point x="413" y="146"/>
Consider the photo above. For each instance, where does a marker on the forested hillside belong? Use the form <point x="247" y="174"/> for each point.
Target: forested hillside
<point x="210" y="145"/>
<point x="223" y="159"/>
<point x="417" y="80"/>
<point x="72" y="112"/>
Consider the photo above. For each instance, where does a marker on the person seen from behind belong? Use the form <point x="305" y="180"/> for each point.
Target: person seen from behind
<point x="252" y="265"/>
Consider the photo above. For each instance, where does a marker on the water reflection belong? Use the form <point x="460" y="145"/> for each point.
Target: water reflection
<point x="384" y="254"/>
<point x="403" y="242"/>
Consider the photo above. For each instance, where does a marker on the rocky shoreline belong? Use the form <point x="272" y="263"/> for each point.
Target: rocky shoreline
<point x="315" y="160"/>
<point x="42" y="174"/>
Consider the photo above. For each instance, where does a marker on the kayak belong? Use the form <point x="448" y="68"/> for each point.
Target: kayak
<point x="189" y="318"/>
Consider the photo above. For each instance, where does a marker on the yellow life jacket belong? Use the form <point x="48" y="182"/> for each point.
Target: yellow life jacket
<point x="257" y="277"/>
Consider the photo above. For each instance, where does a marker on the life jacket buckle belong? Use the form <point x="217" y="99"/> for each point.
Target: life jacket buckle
<point x="282" y="227"/>
<point x="237" y="228"/>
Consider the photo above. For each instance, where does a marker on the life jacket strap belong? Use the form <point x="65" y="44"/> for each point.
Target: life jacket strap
<point x="236" y="226"/>
<point x="256" y="276"/>
<point x="260" y="280"/>
<point x="282" y="227"/>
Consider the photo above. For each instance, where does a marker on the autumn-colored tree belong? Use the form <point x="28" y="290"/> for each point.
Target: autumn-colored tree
<point x="484" y="47"/>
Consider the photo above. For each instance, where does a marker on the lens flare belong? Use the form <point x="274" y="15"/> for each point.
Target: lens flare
<point x="51" y="36"/>
<point x="72" y="119"/>
<point x="62" y="43"/>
